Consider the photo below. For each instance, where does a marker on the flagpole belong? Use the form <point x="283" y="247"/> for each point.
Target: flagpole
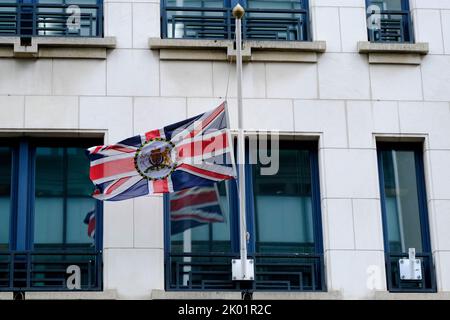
<point x="241" y="269"/>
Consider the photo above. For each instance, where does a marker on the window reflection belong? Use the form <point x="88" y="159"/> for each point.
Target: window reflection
<point x="283" y="204"/>
<point x="401" y="201"/>
<point x="62" y="197"/>
<point x="5" y="196"/>
<point x="199" y="219"/>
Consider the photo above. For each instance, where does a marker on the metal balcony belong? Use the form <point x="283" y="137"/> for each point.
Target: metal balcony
<point x="47" y="270"/>
<point x="392" y="26"/>
<point x="396" y="284"/>
<point x="179" y="22"/>
<point x="273" y="272"/>
<point x="60" y="19"/>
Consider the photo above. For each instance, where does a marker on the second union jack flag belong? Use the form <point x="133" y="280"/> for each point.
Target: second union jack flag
<point x="193" y="152"/>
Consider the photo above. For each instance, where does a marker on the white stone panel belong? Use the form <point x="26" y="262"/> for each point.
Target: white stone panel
<point x="445" y="16"/>
<point x="111" y="113"/>
<point x="134" y="272"/>
<point x="350" y="173"/>
<point x="340" y="3"/>
<point x="253" y="79"/>
<point x="120" y="23"/>
<point x="430" y="118"/>
<point x="118" y="224"/>
<point x="442" y="259"/>
<point x="427" y="25"/>
<point x="439" y="161"/>
<point x="25" y="77"/>
<point x="155" y="113"/>
<point x="430" y="4"/>
<point x="292" y="80"/>
<point x="325" y="116"/>
<point x="133" y="73"/>
<point x="385" y="117"/>
<point x="327" y="28"/>
<point x="149" y="222"/>
<point x="338" y="224"/>
<point x="353" y="27"/>
<point x="368" y="224"/>
<point x="344" y="76"/>
<point x="12" y="111"/>
<point x="395" y="82"/>
<point x="436" y="77"/>
<point x="51" y="112"/>
<point x="357" y="274"/>
<point x="79" y="77"/>
<point x="189" y="79"/>
<point x="266" y="114"/>
<point x="146" y="21"/>
<point x="360" y="124"/>
<point x="440" y="217"/>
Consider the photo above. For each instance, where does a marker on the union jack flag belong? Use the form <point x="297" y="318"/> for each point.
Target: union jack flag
<point x="193" y="207"/>
<point x="193" y="152"/>
<point x="90" y="221"/>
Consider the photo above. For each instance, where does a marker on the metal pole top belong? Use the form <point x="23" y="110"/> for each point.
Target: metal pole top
<point x="238" y="11"/>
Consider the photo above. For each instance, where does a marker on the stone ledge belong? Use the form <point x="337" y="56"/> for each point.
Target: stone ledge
<point x="384" y="295"/>
<point x="223" y="50"/>
<point x="79" y="295"/>
<point x="6" y="295"/>
<point x="394" y="53"/>
<point x="57" y="47"/>
<point x="236" y="295"/>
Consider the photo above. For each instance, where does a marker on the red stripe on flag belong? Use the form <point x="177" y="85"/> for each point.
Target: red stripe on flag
<point x="206" y="122"/>
<point x="197" y="148"/>
<point x="160" y="186"/>
<point x="97" y="149"/>
<point x="111" y="168"/>
<point x="152" y="134"/>
<point x="204" y="172"/>
<point x="91" y="226"/>
<point x="116" y="185"/>
<point x="194" y="199"/>
<point x="120" y="148"/>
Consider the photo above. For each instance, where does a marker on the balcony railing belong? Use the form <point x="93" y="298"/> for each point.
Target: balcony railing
<point x="273" y="272"/>
<point x="392" y="26"/>
<point x="396" y="284"/>
<point x="63" y="20"/>
<point x="218" y="23"/>
<point x="48" y="271"/>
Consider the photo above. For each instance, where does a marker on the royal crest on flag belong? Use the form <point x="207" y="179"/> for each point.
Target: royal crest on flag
<point x="194" y="152"/>
<point x="194" y="207"/>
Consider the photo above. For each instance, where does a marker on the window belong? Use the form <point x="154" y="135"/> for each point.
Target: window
<point x="389" y="21"/>
<point x="405" y="217"/>
<point x="63" y="18"/>
<point x="212" y="19"/>
<point x="284" y="222"/>
<point x="50" y="220"/>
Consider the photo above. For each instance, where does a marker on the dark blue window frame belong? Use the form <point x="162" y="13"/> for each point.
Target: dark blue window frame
<point x="33" y="18"/>
<point x="316" y="259"/>
<point x="396" y="25"/>
<point x="22" y="260"/>
<point x="218" y="23"/>
<point x="428" y="283"/>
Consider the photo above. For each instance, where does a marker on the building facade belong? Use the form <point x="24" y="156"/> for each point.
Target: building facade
<point x="357" y="91"/>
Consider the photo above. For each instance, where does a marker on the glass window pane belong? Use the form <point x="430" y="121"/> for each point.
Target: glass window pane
<point x="63" y="199"/>
<point x="401" y="201"/>
<point x="5" y="196"/>
<point x="283" y="205"/>
<point x="200" y="220"/>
